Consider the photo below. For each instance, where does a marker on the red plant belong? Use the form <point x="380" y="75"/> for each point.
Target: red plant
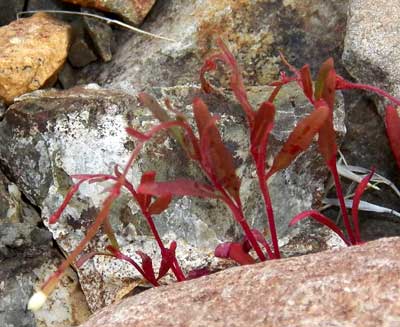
<point x="216" y="162"/>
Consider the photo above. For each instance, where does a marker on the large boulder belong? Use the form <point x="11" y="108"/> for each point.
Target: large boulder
<point x="353" y="287"/>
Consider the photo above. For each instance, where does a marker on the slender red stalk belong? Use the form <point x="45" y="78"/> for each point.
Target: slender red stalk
<point x="333" y="168"/>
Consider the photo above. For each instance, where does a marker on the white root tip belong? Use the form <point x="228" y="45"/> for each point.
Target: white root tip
<point x="36" y="301"/>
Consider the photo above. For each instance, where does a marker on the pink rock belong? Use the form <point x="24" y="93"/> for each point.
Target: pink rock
<point x="357" y="286"/>
<point x="134" y="11"/>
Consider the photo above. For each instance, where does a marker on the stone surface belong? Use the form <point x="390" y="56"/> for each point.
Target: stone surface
<point x="101" y="34"/>
<point x="255" y="30"/>
<point x="82" y="131"/>
<point x="26" y="259"/>
<point x="80" y="54"/>
<point x="32" y="50"/>
<point x="371" y="52"/>
<point x="9" y="9"/>
<point x="355" y="286"/>
<point x="67" y="76"/>
<point x="133" y="11"/>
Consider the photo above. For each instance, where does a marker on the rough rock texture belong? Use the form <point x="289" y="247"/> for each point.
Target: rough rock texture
<point x="50" y="135"/>
<point x="101" y="35"/>
<point x="356" y="286"/>
<point x="371" y="52"/>
<point x="255" y="30"/>
<point x="133" y="11"/>
<point x="32" y="50"/>
<point x="26" y="258"/>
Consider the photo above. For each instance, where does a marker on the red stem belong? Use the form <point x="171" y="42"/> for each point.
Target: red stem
<point x="238" y="214"/>
<point x="262" y="181"/>
<point x="333" y="168"/>
<point x="345" y="85"/>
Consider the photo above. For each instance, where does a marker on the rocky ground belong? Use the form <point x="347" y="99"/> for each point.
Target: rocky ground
<point x="68" y="87"/>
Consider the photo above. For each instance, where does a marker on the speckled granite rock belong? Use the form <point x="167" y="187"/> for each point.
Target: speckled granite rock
<point x="371" y="52"/>
<point x="32" y="50"/>
<point x="353" y="287"/>
<point x="50" y="135"/>
<point x="255" y="30"/>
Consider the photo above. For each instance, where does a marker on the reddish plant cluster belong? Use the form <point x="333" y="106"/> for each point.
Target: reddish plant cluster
<point x="208" y="151"/>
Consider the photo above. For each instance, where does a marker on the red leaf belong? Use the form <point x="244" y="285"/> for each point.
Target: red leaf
<point x="216" y="158"/>
<point x="180" y="187"/>
<point x="300" y="139"/>
<point x="235" y="252"/>
<point x="329" y="90"/>
<point x="160" y="204"/>
<point x="392" y="121"/>
<point x="147" y="266"/>
<point x="142" y="198"/>
<point x="356" y="202"/>
<point x="321" y="219"/>
<point x="306" y="82"/>
<point x="264" y="117"/>
<point x="167" y="261"/>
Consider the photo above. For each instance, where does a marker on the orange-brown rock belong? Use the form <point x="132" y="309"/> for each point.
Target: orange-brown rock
<point x="32" y="50"/>
<point x="351" y="287"/>
<point x="134" y="11"/>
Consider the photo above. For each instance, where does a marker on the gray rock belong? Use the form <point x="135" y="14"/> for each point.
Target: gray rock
<point x="80" y="53"/>
<point x="371" y="52"/>
<point x="352" y="287"/>
<point x="82" y="131"/>
<point x="67" y="76"/>
<point x="26" y="258"/>
<point x="255" y="31"/>
<point x="9" y="9"/>
<point x="100" y="33"/>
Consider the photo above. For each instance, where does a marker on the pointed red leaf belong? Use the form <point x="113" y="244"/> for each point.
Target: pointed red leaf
<point x="145" y="199"/>
<point x="216" y="158"/>
<point x="167" y="261"/>
<point x="147" y="266"/>
<point x="265" y="116"/>
<point x="300" y="139"/>
<point x="180" y="187"/>
<point x="321" y="219"/>
<point x="392" y="121"/>
<point x="160" y="204"/>
<point x="306" y="82"/>
<point x="235" y="252"/>
<point x="362" y="186"/>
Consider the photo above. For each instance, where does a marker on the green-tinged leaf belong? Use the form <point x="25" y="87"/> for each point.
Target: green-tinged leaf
<point x="216" y="158"/>
<point x="326" y="67"/>
<point x="300" y="139"/>
<point x="158" y="112"/>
